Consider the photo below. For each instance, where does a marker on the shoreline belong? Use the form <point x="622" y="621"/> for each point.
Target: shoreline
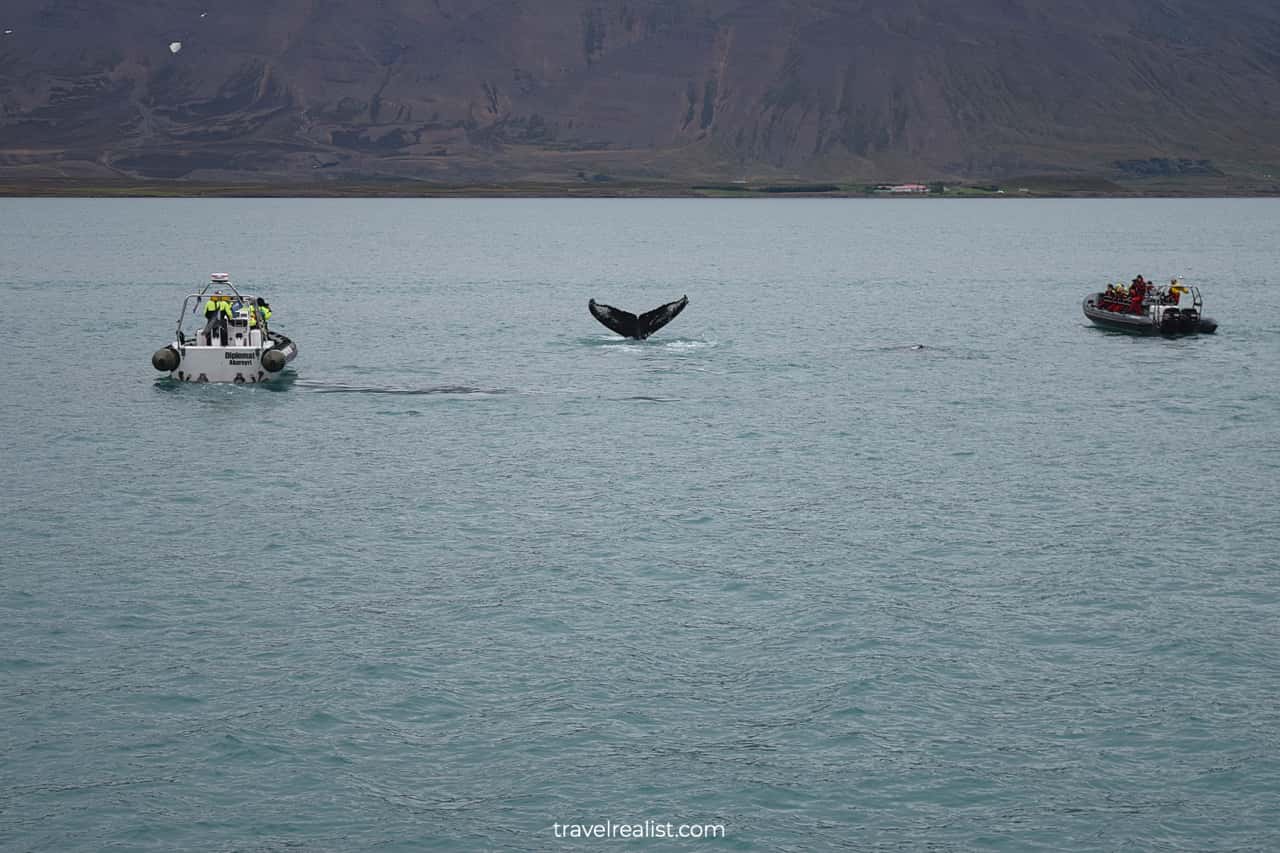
<point x="43" y="188"/>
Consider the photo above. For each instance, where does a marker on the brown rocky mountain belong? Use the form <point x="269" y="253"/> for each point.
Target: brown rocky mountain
<point x="501" y="90"/>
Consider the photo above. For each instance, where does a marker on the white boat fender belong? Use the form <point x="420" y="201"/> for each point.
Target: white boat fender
<point x="273" y="360"/>
<point x="166" y="359"/>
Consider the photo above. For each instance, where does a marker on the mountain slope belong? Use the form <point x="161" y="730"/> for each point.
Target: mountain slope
<point x="476" y="90"/>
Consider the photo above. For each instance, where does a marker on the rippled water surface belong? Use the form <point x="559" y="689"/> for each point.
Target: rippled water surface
<point x="879" y="545"/>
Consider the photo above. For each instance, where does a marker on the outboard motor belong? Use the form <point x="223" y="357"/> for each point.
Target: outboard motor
<point x="166" y="360"/>
<point x="1190" y="320"/>
<point x="1170" y="321"/>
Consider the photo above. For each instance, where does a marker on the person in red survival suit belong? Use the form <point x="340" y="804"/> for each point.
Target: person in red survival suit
<point x="1136" y="293"/>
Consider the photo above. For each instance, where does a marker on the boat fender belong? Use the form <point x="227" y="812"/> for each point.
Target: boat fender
<point x="273" y="361"/>
<point x="166" y="359"/>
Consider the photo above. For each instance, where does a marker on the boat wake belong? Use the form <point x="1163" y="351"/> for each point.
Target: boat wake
<point x="646" y="398"/>
<point x="401" y="390"/>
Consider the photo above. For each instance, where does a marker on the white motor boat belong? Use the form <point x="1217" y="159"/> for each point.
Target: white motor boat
<point x="240" y="348"/>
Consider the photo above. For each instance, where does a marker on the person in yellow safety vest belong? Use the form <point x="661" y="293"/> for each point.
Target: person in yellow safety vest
<point x="259" y="309"/>
<point x="217" y="302"/>
<point x="217" y="311"/>
<point x="263" y="309"/>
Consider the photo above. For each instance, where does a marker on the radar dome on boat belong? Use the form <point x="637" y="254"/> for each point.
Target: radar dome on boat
<point x="220" y="278"/>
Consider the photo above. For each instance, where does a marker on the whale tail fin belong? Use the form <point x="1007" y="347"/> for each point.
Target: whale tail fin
<point x="629" y="325"/>
<point x="652" y="321"/>
<point x="623" y="322"/>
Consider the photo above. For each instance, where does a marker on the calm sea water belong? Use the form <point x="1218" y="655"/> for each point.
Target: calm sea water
<point x="481" y="567"/>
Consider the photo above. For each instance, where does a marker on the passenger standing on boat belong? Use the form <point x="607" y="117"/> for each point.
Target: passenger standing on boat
<point x="259" y="312"/>
<point x="216" y="312"/>
<point x="1135" y="296"/>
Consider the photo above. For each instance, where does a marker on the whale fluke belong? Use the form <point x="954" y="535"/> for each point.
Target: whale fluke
<point x="629" y="325"/>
